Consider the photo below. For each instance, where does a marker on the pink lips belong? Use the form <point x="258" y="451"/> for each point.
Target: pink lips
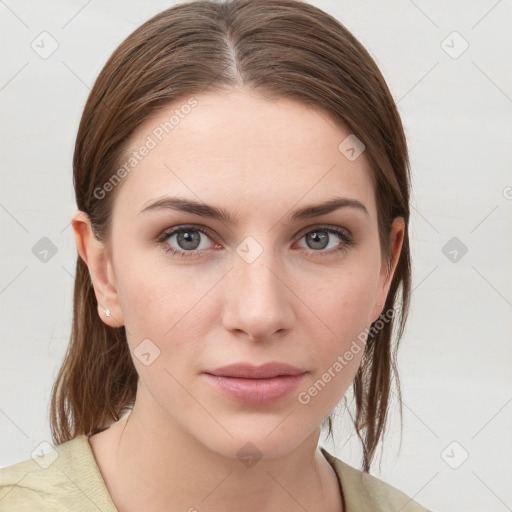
<point x="256" y="385"/>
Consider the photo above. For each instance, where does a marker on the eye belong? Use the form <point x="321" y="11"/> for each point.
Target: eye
<point x="191" y="240"/>
<point x="326" y="239"/>
<point x="185" y="240"/>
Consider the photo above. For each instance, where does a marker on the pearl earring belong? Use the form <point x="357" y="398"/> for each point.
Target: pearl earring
<point x="107" y="311"/>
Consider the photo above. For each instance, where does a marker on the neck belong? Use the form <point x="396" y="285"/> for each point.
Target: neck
<point x="157" y="465"/>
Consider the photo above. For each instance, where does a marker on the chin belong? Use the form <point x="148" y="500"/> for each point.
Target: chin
<point x="254" y="436"/>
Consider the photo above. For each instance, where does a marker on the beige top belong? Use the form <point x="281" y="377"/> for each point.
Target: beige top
<point x="68" y="479"/>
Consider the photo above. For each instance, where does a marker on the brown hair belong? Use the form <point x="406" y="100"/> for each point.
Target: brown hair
<point x="279" y="48"/>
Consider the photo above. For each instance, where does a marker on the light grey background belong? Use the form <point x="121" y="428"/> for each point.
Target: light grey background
<point x="457" y="110"/>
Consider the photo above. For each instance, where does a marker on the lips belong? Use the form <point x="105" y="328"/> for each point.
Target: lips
<point x="256" y="385"/>
<point x="248" y="371"/>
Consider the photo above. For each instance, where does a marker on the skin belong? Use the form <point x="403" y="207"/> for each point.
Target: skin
<point x="259" y="160"/>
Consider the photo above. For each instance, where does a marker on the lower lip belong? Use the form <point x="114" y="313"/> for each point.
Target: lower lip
<point x="256" y="391"/>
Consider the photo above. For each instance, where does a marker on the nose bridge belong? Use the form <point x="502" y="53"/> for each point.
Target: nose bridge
<point x="259" y="302"/>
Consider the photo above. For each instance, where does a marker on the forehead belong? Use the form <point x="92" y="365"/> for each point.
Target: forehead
<point x="236" y="147"/>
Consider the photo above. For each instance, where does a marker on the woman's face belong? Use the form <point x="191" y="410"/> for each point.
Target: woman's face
<point x="259" y="273"/>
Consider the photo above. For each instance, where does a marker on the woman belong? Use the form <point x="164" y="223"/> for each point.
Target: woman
<point x="241" y="178"/>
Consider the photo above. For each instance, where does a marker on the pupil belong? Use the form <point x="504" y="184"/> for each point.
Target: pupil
<point x="318" y="239"/>
<point x="188" y="239"/>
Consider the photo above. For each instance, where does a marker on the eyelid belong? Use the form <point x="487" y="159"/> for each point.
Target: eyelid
<point x="168" y="232"/>
<point x="328" y="227"/>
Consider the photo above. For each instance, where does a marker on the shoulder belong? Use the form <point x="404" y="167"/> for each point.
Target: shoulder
<point x="365" y="492"/>
<point x="66" y="478"/>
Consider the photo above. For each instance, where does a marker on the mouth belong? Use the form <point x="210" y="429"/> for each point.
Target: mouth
<point x="256" y="385"/>
<point x="264" y="371"/>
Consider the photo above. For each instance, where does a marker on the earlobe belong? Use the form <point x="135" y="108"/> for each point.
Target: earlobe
<point x="95" y="255"/>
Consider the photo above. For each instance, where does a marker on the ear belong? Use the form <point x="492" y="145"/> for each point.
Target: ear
<point x="96" y="257"/>
<point x="387" y="270"/>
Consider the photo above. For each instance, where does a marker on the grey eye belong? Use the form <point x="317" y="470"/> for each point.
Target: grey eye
<point x="317" y="239"/>
<point x="188" y="240"/>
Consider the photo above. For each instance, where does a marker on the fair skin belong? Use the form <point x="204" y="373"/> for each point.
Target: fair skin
<point x="297" y="302"/>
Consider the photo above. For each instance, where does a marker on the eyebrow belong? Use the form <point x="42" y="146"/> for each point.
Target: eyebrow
<point x="205" y="210"/>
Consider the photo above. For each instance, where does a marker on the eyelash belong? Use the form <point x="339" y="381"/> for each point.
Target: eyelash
<point x="347" y="240"/>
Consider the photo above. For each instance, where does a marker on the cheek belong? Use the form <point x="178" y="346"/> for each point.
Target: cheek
<point x="346" y="303"/>
<point x="158" y="300"/>
<point x="344" y="306"/>
<point x="157" y="306"/>
<point x="145" y="297"/>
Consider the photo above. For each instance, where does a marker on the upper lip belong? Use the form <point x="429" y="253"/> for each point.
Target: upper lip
<point x="248" y="371"/>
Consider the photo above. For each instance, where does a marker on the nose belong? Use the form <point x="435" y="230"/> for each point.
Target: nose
<point x="258" y="304"/>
